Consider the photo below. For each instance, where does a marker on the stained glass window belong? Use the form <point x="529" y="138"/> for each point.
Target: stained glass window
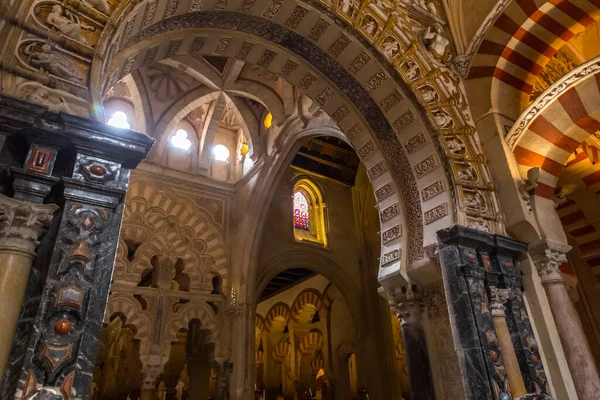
<point x="301" y="218"/>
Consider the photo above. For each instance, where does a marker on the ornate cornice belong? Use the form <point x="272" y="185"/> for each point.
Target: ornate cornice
<point x="23" y="223"/>
<point x="536" y="108"/>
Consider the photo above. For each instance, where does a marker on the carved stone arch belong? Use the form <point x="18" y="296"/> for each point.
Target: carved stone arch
<point x="556" y="124"/>
<point x="131" y="309"/>
<point x="316" y="262"/>
<point x="516" y="44"/>
<point x="260" y="323"/>
<point x="277" y="310"/>
<point x="264" y="95"/>
<point x="311" y="342"/>
<point x="351" y="121"/>
<point x="344" y="350"/>
<point x="306" y="297"/>
<point x="179" y="228"/>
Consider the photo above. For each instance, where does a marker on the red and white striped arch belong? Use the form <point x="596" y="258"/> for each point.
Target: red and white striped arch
<point x="550" y="138"/>
<point x="521" y="41"/>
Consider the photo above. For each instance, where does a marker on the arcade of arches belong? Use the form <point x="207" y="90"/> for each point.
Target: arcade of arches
<point x="299" y="199"/>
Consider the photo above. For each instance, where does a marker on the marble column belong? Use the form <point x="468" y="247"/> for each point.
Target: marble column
<point x="498" y="298"/>
<point x="84" y="166"/>
<point x="408" y="305"/>
<point x="548" y="256"/>
<point x="21" y="225"/>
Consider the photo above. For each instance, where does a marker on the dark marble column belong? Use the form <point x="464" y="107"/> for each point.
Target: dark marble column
<point x="472" y="263"/>
<point x="408" y="305"/>
<point x="84" y="167"/>
<point x="526" y="347"/>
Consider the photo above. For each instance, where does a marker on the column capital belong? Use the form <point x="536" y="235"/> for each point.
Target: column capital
<point x="150" y="375"/>
<point x="497" y="300"/>
<point x="407" y="303"/>
<point x="547" y="257"/>
<point x="22" y="223"/>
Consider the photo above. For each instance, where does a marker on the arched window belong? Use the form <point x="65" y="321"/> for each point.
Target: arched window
<point x="301" y="217"/>
<point x="120" y="120"/>
<point x="180" y="140"/>
<point x="221" y="153"/>
<point x="309" y="212"/>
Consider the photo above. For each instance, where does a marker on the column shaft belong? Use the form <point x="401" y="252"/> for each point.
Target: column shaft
<point x="548" y="257"/>
<point x="511" y="364"/>
<point x="409" y="308"/>
<point x="21" y="224"/>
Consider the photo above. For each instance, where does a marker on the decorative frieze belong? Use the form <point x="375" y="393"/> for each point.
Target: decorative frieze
<point x="384" y="192"/>
<point x="195" y="5"/>
<point x="150" y="55"/>
<point x="360" y="61"/>
<point x="221" y="45"/>
<point x="318" y="30"/>
<point x="266" y="58"/>
<point x="390" y="101"/>
<point x="339" y="45"/>
<point x="432" y="190"/>
<point x="367" y="150"/>
<point x="197" y="45"/>
<point x="389" y="213"/>
<point x="272" y="8"/>
<point x="289" y="67"/>
<point x="436" y="213"/>
<point x="247" y="5"/>
<point x="404" y="121"/>
<point x="376" y="80"/>
<point x="426" y="166"/>
<point x="391" y="234"/>
<point x="377" y="170"/>
<point x="354" y="131"/>
<point x="340" y="113"/>
<point x="307" y="81"/>
<point x="390" y="257"/>
<point x="415" y="143"/>
<point x="174" y="47"/>
<point x="296" y="18"/>
<point x="245" y="48"/>
<point x="325" y="96"/>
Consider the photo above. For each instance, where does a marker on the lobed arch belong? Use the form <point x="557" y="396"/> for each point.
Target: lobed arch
<point x="131" y="309"/>
<point x="516" y="42"/>
<point x="386" y="107"/>
<point x="155" y="221"/>
<point x="181" y="319"/>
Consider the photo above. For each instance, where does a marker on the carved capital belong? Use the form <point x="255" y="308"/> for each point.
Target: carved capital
<point x="408" y="305"/>
<point x="150" y="376"/>
<point x="497" y="300"/>
<point x="23" y="223"/>
<point x="547" y="257"/>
